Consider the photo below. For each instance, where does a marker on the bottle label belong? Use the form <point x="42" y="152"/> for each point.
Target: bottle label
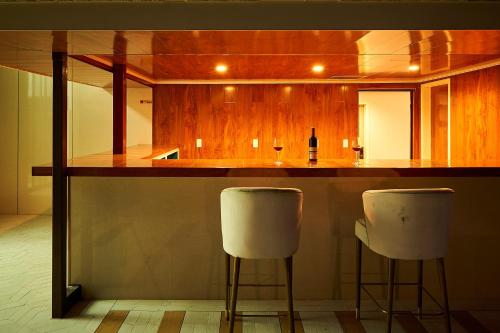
<point x="313" y="153"/>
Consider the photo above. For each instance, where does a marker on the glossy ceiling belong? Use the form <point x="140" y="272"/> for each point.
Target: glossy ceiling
<point x="167" y="56"/>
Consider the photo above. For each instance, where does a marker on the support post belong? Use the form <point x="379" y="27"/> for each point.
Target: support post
<point x="63" y="297"/>
<point x="119" y="109"/>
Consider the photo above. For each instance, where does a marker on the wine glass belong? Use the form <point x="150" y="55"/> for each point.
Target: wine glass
<point x="357" y="145"/>
<point x="278" y="146"/>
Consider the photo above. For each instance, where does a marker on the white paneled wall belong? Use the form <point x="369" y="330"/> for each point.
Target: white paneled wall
<point x="26" y="133"/>
<point x="8" y="141"/>
<point x="92" y="120"/>
<point x="35" y="142"/>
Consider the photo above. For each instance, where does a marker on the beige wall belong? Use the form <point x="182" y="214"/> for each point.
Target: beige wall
<point x="26" y="133"/>
<point x="8" y="140"/>
<point x="139" y="116"/>
<point x="160" y="238"/>
<point x="35" y="142"/>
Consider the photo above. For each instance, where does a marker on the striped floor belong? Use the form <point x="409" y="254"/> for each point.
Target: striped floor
<point x="25" y="302"/>
<point x="267" y="322"/>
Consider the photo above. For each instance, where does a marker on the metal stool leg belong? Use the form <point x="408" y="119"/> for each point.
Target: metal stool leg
<point x="392" y="267"/>
<point x="420" y="286"/>
<point x="234" y="294"/>
<point x="359" y="253"/>
<point x="228" y="273"/>
<point x="445" y="294"/>
<point x="288" y="265"/>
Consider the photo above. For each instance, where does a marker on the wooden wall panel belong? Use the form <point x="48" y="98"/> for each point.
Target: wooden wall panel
<point x="227" y="118"/>
<point x="475" y="115"/>
<point x="439" y="122"/>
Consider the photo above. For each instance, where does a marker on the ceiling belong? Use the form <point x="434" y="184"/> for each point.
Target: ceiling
<point x="172" y="56"/>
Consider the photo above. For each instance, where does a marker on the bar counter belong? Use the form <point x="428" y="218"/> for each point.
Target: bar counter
<point x="139" y="162"/>
<point x="142" y="228"/>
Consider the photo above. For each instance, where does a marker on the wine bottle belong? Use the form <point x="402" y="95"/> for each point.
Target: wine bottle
<point x="313" y="147"/>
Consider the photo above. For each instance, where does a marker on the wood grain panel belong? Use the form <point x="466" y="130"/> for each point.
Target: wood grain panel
<point x="183" y="113"/>
<point x="475" y="116"/>
<point x="439" y="122"/>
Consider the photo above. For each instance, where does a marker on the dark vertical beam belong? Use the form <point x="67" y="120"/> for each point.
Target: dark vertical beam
<point x="59" y="183"/>
<point x="119" y="109"/>
<point x="62" y="296"/>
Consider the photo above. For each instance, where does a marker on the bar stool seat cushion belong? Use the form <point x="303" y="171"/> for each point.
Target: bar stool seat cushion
<point x="261" y="222"/>
<point x="410" y="224"/>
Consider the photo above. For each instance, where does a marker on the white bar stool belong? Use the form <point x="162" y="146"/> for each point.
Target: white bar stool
<point x="260" y="223"/>
<point x="406" y="224"/>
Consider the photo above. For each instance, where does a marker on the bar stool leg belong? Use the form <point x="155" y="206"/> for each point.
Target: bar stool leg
<point x="359" y="253"/>
<point x="289" y="271"/>
<point x="228" y="273"/>
<point x="420" y="287"/>
<point x="234" y="294"/>
<point x="392" y="267"/>
<point x="445" y="294"/>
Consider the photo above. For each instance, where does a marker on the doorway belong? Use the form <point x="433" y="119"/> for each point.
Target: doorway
<point x="385" y="124"/>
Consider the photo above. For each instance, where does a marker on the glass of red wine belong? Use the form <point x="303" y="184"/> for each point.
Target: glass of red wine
<point x="357" y="146"/>
<point x="278" y="146"/>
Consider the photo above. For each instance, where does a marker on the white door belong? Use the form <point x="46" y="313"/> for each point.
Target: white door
<point x="387" y="124"/>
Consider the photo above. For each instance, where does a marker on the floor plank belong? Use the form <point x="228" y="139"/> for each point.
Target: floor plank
<point x="172" y="322"/>
<point x="468" y="322"/>
<point x="142" y="321"/>
<point x="201" y="321"/>
<point x="410" y="323"/>
<point x="324" y="322"/>
<point x="224" y="324"/>
<point x="347" y="320"/>
<point x="376" y="322"/>
<point x="490" y="319"/>
<point x="261" y="322"/>
<point x="283" y="318"/>
<point x="112" y="322"/>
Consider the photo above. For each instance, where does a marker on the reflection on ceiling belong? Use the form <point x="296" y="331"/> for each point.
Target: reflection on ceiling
<point x="170" y="56"/>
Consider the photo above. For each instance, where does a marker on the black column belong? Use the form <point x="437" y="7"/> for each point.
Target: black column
<point x="63" y="297"/>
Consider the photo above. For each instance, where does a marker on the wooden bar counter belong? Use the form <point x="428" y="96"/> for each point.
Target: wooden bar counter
<point x="142" y="228"/>
<point x="139" y="162"/>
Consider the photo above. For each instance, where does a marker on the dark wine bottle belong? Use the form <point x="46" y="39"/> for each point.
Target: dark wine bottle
<point x="313" y="147"/>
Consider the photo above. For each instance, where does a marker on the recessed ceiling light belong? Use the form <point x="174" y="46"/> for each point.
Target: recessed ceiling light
<point x="221" y="68"/>
<point x="413" y="68"/>
<point x="318" y="68"/>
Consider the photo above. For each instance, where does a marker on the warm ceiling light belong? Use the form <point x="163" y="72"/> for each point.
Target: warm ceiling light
<point x="318" y="68"/>
<point x="229" y="88"/>
<point x="413" y="68"/>
<point x="221" y="68"/>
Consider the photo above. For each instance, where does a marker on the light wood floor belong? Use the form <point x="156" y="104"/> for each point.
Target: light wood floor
<point x="25" y="266"/>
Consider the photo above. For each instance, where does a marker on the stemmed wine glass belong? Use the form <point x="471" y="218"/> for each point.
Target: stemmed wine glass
<point x="278" y="146"/>
<point x="357" y="145"/>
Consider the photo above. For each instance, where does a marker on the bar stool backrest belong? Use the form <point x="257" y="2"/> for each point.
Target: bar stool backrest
<point x="261" y="222"/>
<point x="408" y="223"/>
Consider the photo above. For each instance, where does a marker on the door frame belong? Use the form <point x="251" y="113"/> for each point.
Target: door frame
<point x="414" y="91"/>
<point x="425" y="118"/>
